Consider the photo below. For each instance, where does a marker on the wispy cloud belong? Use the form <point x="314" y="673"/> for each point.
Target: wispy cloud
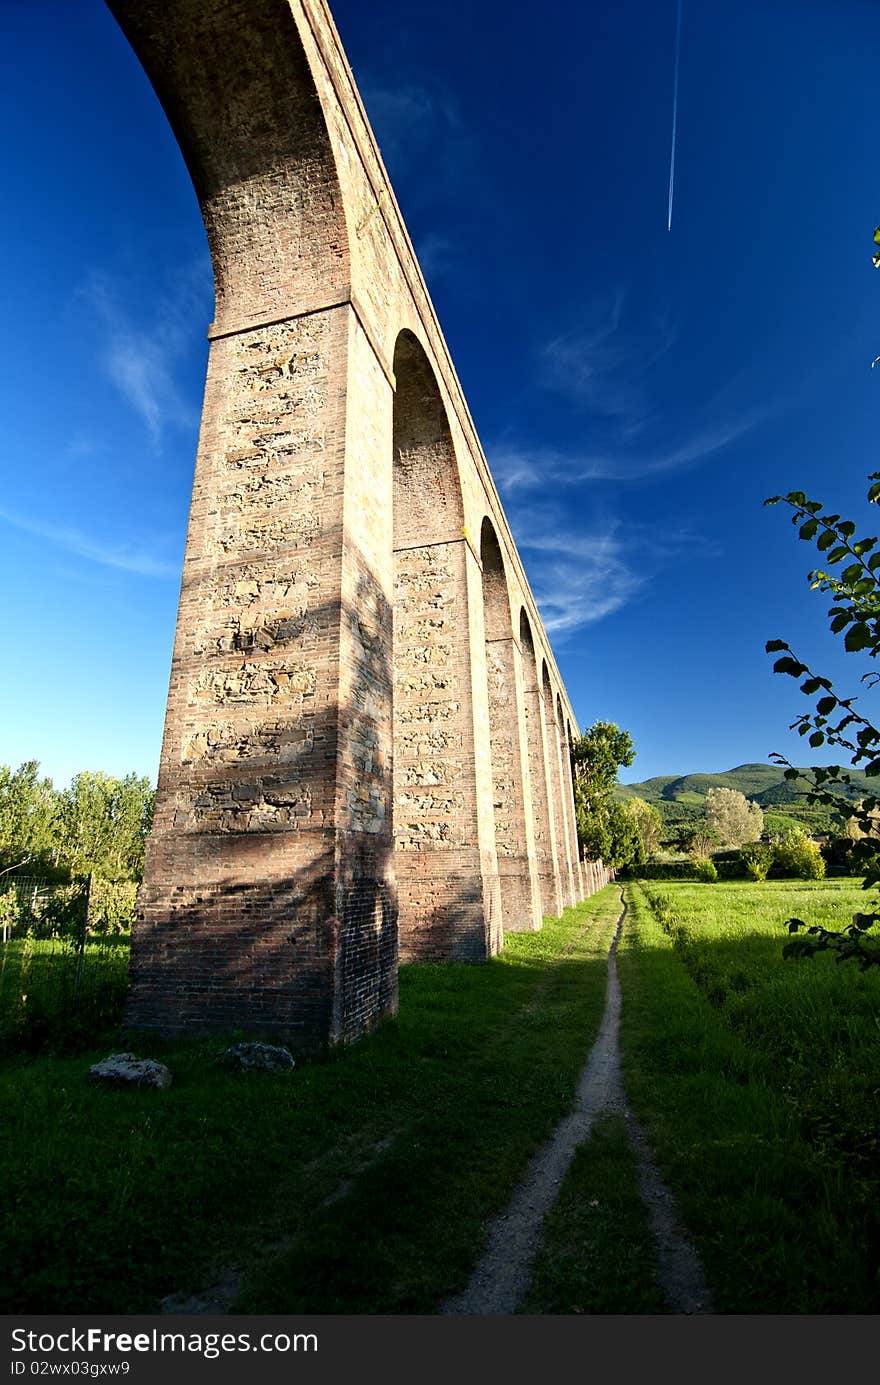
<point x="583" y="575"/>
<point x="399" y="115"/>
<point x="579" y="578"/>
<point x="517" y="467"/>
<point x="436" y="255"/>
<point x="81" y="445"/>
<point x="419" y="126"/>
<point x="123" y="557"/>
<point x="140" y="356"/>
<point x="602" y="364"/>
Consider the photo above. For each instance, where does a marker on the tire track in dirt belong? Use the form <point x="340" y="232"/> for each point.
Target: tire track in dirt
<point x="503" y="1272"/>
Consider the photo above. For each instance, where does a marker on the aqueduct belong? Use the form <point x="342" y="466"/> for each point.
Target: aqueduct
<point x="366" y="750"/>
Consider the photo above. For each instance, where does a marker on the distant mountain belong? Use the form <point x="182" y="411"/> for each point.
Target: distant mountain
<point x="765" y="784"/>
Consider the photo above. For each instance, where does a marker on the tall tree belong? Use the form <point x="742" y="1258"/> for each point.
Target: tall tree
<point x="733" y="817"/>
<point x="605" y="831"/>
<point x="28" y="815"/>
<point x="104" y="823"/>
<point x="649" y="824"/>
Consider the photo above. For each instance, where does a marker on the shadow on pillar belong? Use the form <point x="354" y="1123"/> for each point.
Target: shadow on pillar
<point x="290" y="933"/>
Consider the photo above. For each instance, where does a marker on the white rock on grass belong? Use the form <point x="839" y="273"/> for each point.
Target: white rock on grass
<point x="127" y="1070"/>
<point x="257" y="1058"/>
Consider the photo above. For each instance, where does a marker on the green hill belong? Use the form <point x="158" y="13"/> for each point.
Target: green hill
<point x="765" y="784"/>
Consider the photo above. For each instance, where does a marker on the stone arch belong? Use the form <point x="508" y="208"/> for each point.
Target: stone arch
<point x="554" y="792"/>
<point x="514" y="831"/>
<point x="443" y="826"/>
<point x="428" y="504"/>
<point x="569" y="855"/>
<point x="569" y="768"/>
<point x="539" y="773"/>
<point x="245" y="110"/>
<point x="271" y="839"/>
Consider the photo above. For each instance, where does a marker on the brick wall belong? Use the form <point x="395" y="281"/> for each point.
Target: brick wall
<point x="361" y="763"/>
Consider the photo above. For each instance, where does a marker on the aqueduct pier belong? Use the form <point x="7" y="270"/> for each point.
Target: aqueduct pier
<point x="366" y="749"/>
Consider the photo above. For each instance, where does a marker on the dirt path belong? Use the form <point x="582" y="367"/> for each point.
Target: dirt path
<point x="502" y="1275"/>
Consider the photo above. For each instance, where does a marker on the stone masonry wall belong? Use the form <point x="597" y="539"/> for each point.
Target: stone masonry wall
<point x="358" y="762"/>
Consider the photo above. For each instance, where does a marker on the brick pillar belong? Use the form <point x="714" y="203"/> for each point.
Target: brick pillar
<point x="567" y="797"/>
<point x="514" y="830"/>
<point x="577" y="856"/>
<point x="564" y="842"/>
<point x="446" y="876"/>
<point x="264" y="906"/>
<point x="536" y="740"/>
<point x="550" y="751"/>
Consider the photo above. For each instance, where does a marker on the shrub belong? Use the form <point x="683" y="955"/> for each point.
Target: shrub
<point x="706" y="871"/>
<point x="757" y="860"/>
<point x="798" y="855"/>
<point x="111" y="905"/>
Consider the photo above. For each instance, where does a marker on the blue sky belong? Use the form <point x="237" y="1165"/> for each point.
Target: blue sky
<point x="638" y="393"/>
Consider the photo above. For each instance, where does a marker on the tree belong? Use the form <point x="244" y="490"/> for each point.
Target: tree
<point x="605" y="830"/>
<point x="733" y="817"/>
<point x="28" y="815"/>
<point x="103" y="824"/>
<point x="835" y="720"/>
<point x="649" y="824"/>
<point x="700" y="841"/>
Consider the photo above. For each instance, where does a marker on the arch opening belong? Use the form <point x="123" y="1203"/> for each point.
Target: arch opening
<point x="268" y="822"/>
<point x="447" y="906"/>
<point x="511" y="795"/>
<point x="568" y="848"/>
<point x="539" y="773"/>
<point x="244" y="108"/>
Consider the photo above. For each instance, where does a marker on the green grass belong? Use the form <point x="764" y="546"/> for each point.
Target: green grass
<point x="756" y="1079"/>
<point x="597" y="1254"/>
<point x="50" y="997"/>
<point x="375" y="1170"/>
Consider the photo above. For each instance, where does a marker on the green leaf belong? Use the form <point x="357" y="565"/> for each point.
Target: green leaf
<point x="825" y="706"/>
<point x="874" y="492"/>
<point x="859" y="637"/>
<point x="826" y="539"/>
<point x="790" y="666"/>
<point x="837" y="554"/>
<point x="810" y="529"/>
<point x="840" y="623"/>
<point x="847" y="528"/>
<point x="877" y="235"/>
<point x="851" y="573"/>
<point x="817" y="739"/>
<point x="874" y="562"/>
<point x="810" y="686"/>
<point x="772" y="646"/>
<point x="773" y="500"/>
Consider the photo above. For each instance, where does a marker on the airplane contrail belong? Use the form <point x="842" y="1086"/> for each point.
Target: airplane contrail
<point x="674" y="114"/>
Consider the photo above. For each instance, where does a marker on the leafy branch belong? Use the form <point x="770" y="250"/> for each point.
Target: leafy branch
<point x="837" y="721"/>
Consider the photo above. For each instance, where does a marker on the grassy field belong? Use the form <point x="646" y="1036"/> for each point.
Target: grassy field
<point x="53" y="997"/>
<point x="757" y="1079"/>
<point x="363" y="1183"/>
<point x="360" y="1184"/>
